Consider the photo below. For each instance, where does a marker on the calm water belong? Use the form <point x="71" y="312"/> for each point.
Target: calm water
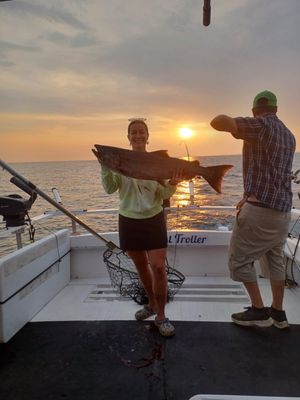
<point x="80" y="188"/>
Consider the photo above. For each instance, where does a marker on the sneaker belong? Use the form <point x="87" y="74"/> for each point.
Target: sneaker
<point x="144" y="313"/>
<point x="165" y="327"/>
<point x="279" y="318"/>
<point x="253" y="317"/>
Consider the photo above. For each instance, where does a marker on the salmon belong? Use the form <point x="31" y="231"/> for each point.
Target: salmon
<point x="157" y="165"/>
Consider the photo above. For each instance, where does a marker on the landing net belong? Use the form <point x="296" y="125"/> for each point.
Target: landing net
<point x="124" y="277"/>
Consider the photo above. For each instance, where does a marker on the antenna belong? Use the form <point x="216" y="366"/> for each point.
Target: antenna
<point x="206" y="12"/>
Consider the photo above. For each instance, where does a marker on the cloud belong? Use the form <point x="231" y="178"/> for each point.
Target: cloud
<point x="52" y="11"/>
<point x="118" y="58"/>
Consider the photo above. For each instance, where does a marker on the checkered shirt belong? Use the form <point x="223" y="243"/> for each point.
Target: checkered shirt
<point x="268" y="153"/>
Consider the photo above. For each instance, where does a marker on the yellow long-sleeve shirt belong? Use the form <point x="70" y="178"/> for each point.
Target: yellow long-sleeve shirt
<point x="138" y="198"/>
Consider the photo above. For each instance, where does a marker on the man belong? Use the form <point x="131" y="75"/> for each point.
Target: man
<point x="263" y="216"/>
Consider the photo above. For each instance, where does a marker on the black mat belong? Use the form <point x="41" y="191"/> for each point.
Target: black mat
<point x="127" y="360"/>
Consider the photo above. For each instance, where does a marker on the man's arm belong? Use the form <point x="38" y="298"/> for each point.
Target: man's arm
<point x="224" y="123"/>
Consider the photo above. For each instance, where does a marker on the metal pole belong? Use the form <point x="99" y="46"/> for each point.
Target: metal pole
<point x="191" y="182"/>
<point x="19" y="238"/>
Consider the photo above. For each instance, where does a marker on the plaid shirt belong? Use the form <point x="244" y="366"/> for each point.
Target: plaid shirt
<point x="268" y="153"/>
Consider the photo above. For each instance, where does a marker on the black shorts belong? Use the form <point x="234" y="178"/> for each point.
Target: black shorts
<point x="143" y="234"/>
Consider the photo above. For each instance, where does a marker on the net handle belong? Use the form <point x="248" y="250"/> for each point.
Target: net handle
<point x="38" y="191"/>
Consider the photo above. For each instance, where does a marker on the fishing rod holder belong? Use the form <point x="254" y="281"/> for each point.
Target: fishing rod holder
<point x="14" y="207"/>
<point x="56" y="195"/>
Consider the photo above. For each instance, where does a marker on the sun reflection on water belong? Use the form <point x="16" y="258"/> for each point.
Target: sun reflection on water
<point x="182" y="196"/>
<point x="204" y="195"/>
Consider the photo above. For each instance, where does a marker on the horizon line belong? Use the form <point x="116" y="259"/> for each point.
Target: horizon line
<point x="90" y="159"/>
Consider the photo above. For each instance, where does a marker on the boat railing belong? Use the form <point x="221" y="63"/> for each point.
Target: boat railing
<point x="18" y="231"/>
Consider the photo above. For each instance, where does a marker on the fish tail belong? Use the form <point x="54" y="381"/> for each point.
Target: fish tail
<point x="214" y="175"/>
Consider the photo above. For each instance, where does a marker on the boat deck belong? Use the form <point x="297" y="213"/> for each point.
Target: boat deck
<point x="85" y="344"/>
<point x="204" y="299"/>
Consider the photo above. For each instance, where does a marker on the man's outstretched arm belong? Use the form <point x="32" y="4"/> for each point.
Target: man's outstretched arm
<point x="224" y="123"/>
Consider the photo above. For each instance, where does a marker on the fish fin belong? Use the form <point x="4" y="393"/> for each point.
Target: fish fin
<point x="214" y="175"/>
<point x="195" y="162"/>
<point x="97" y="147"/>
<point x="96" y="154"/>
<point x="160" y="153"/>
<point x="162" y="183"/>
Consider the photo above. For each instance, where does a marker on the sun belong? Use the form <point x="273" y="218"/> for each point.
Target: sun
<point x="185" y="133"/>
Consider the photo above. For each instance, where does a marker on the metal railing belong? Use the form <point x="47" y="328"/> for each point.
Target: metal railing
<point x="18" y="231"/>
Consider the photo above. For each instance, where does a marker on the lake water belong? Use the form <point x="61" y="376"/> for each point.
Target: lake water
<point x="80" y="187"/>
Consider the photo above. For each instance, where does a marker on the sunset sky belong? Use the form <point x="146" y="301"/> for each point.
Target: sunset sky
<point x="73" y="72"/>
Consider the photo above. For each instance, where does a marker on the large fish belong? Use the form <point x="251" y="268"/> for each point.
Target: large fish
<point x="157" y="165"/>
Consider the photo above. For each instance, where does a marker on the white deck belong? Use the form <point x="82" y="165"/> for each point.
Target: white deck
<point x="67" y="280"/>
<point x="212" y="299"/>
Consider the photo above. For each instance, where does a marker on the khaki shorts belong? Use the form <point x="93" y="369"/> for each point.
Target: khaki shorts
<point x="258" y="232"/>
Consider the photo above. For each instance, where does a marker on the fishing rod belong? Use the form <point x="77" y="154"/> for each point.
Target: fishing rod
<point x="30" y="188"/>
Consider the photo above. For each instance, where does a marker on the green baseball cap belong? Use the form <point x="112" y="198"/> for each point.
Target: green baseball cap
<point x="265" y="98"/>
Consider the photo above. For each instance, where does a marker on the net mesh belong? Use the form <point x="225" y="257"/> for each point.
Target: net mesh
<point x="124" y="277"/>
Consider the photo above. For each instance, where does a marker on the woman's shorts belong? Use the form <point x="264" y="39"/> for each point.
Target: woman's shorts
<point x="143" y="234"/>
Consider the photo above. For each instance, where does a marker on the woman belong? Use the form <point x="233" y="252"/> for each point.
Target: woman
<point x="142" y="228"/>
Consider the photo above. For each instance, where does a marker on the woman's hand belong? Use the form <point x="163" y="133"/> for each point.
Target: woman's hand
<point x="177" y="177"/>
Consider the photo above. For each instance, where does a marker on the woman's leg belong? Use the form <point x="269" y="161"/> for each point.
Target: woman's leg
<point x="140" y="259"/>
<point x="157" y="260"/>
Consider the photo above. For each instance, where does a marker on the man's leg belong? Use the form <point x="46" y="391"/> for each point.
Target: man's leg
<point x="278" y="293"/>
<point x="277" y="280"/>
<point x="274" y="259"/>
<point x="254" y="294"/>
<point x="246" y="245"/>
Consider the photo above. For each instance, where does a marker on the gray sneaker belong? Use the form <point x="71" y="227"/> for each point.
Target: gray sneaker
<point x="144" y="313"/>
<point x="165" y="327"/>
<point x="279" y="318"/>
<point x="253" y="317"/>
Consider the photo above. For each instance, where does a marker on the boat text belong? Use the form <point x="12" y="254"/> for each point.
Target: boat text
<point x="183" y="238"/>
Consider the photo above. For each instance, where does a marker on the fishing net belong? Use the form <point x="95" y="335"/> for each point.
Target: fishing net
<point x="124" y="277"/>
